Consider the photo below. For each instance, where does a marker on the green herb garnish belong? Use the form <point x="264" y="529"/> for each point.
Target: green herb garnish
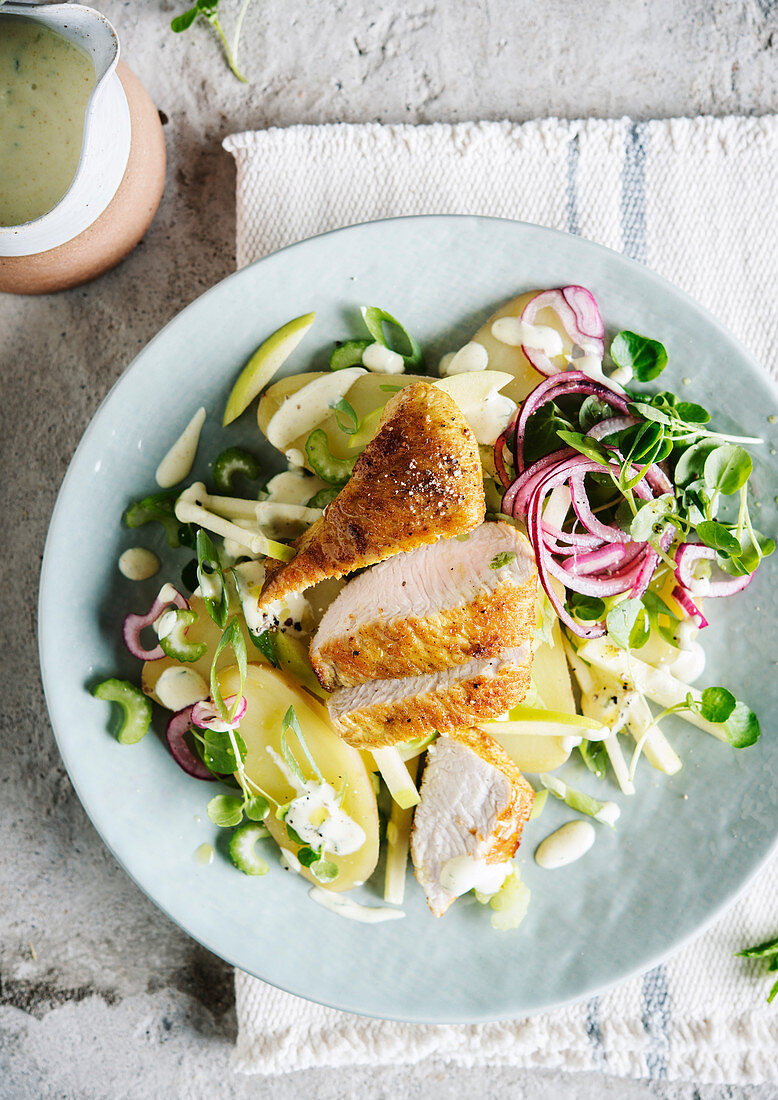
<point x="769" y="951"/>
<point x="504" y="558"/>
<point x="207" y="9"/>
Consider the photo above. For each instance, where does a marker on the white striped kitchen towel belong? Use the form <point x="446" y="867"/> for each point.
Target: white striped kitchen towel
<point x="695" y="200"/>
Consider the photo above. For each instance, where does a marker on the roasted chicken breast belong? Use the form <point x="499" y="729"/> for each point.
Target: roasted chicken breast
<point x="384" y="712"/>
<point x="455" y="601"/>
<point x="474" y="803"/>
<point x="418" y="480"/>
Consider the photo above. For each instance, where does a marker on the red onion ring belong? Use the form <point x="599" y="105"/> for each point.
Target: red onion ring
<point x="687" y="554"/>
<point x="577" y="310"/>
<point x="205" y="715"/>
<point x="684" y="601"/>
<point x="175" y="735"/>
<point x="134" y="624"/>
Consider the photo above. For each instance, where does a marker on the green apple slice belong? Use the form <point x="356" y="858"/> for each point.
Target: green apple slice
<point x="525" y="721"/>
<point x="264" y="363"/>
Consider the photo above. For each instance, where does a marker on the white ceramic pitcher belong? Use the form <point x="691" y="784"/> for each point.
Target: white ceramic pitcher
<point x="105" y="145"/>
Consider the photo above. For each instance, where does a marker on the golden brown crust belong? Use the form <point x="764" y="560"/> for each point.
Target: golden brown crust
<point x="494" y="621"/>
<point x="419" y="479"/>
<point x="506" y="836"/>
<point x="463" y="703"/>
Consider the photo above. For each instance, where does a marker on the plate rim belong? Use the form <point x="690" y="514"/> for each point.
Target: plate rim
<point x="464" y="1017"/>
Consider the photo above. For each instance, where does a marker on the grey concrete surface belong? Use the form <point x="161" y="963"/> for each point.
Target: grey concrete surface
<point x="100" y="996"/>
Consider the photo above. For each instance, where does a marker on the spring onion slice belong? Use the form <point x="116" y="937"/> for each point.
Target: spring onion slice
<point x="348" y="354"/>
<point x="375" y="320"/>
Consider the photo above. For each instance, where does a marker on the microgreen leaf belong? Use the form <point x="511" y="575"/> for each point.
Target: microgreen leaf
<point x="257" y="808"/>
<point x="586" y="446"/>
<point x="266" y="644"/>
<point x="691" y="464"/>
<point x="211" y="579"/>
<point x="717" y="536"/>
<point x="233" y="638"/>
<point x="324" y="870"/>
<point x="691" y="413"/>
<point x="593" y="411"/>
<point x="541" y="432"/>
<point x="742" y="727"/>
<point x="351" y="426"/>
<point x="644" y="357"/>
<point x="727" y="468"/>
<point x="293" y="835"/>
<point x="588" y="608"/>
<point x="650" y="412"/>
<point x="627" y="624"/>
<point x="656" y="607"/>
<point x="307" y="856"/>
<point x="650" y="517"/>
<point x="717" y="704"/>
<point x="225" y="810"/>
<point x="504" y="558"/>
<point x="184" y="21"/>
<point x="378" y="321"/>
<point x="219" y="753"/>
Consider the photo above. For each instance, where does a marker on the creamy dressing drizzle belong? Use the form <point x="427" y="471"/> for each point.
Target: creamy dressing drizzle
<point x="178" y="462"/>
<point x="316" y="816"/>
<point x="352" y="910"/>
<point x="138" y="564"/>
<point x="382" y="360"/>
<point x="565" y="845"/>
<point x="490" y="417"/>
<point x="301" y="412"/>
<point x="293" y="487"/>
<point x="465" y="872"/>
<point x="179" y="687"/>
<point x="516" y="333"/>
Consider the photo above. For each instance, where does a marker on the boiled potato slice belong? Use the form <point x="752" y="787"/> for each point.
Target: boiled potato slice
<point x="269" y="694"/>
<point x="502" y="357"/>
<point x="204" y="630"/>
<point x="365" y="395"/>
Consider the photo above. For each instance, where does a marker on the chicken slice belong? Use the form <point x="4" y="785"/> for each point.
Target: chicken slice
<point x="419" y="612"/>
<point x="384" y="712"/>
<point x="419" y="479"/>
<point x="474" y="803"/>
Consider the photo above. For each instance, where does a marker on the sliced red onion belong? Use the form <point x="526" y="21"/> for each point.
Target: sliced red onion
<point x="606" y="557"/>
<point x="610" y="426"/>
<point x="134" y="624"/>
<point x="500" y="449"/>
<point x="205" y="715"/>
<point x="560" y="385"/>
<point x="577" y="310"/>
<point x="684" y="600"/>
<point x="687" y="554"/>
<point x="175" y="735"/>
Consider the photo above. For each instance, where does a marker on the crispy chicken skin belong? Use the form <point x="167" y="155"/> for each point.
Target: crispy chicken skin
<point x="380" y="713"/>
<point x="419" y="612"/>
<point x="419" y="479"/>
<point x="474" y="802"/>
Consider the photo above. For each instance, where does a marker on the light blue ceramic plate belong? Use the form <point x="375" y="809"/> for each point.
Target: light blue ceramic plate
<point x="673" y="862"/>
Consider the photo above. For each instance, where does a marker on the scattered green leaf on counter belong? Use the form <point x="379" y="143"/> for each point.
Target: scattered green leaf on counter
<point x="761" y="951"/>
<point x="644" y="357"/>
<point x="207" y="9"/>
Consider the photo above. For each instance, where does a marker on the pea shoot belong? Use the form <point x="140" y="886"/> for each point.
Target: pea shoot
<point x="207" y="9"/>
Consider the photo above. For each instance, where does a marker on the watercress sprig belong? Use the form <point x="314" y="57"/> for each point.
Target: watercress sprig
<point x="207" y="9"/>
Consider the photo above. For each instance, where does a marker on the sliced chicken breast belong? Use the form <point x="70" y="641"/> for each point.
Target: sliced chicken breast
<point x="384" y="712"/>
<point x="419" y="612"/>
<point x="418" y="480"/>
<point x="474" y="803"/>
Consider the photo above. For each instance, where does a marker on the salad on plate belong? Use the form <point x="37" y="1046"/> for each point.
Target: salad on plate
<point x="390" y="650"/>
